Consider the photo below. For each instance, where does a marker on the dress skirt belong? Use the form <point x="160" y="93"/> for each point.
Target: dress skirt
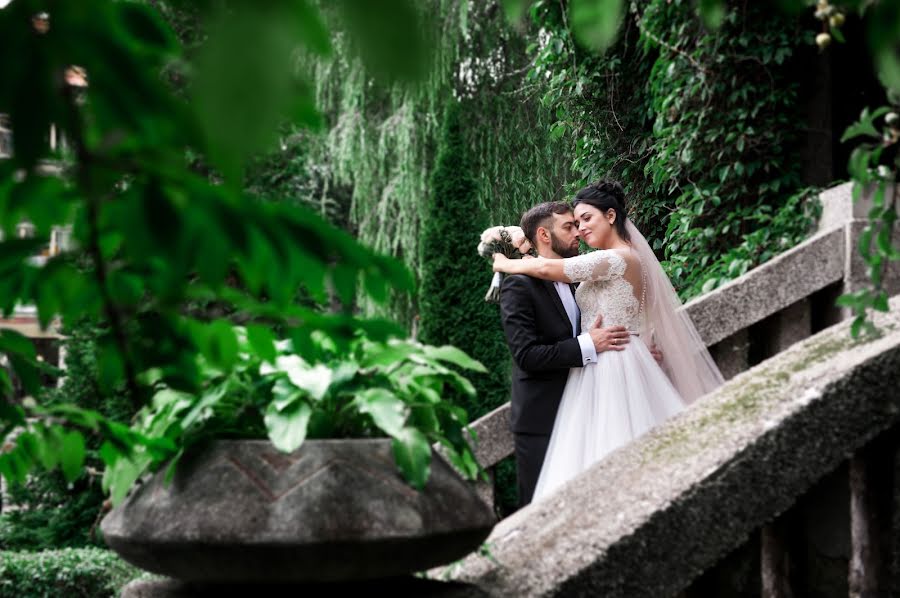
<point x="604" y="406"/>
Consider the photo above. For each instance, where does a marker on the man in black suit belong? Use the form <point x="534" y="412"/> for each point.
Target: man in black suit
<point x="542" y="325"/>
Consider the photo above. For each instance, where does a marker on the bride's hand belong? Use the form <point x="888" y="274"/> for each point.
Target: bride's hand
<point x="499" y="261"/>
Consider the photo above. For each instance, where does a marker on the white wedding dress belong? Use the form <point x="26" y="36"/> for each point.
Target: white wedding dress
<point x="625" y="393"/>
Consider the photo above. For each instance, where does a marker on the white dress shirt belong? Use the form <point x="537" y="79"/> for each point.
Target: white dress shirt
<point x="588" y="352"/>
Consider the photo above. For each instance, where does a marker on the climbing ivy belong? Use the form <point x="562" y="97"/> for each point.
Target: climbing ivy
<point x="699" y="124"/>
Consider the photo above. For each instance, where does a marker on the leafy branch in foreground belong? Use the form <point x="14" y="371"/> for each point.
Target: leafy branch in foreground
<point x="152" y="237"/>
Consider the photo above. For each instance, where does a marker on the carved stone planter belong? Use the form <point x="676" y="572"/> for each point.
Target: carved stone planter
<point x="334" y="510"/>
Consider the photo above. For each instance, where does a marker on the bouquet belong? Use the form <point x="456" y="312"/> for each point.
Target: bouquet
<point x="508" y="240"/>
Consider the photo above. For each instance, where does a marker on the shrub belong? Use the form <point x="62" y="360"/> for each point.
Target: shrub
<point x="56" y="513"/>
<point x="70" y="572"/>
<point x="454" y="279"/>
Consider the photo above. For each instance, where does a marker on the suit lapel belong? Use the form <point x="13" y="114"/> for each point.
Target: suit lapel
<point x="554" y="297"/>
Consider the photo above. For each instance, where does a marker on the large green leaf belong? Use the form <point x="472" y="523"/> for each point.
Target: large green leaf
<point x="262" y="341"/>
<point x="72" y="455"/>
<point x="390" y="37"/>
<point x="455" y="356"/>
<point x="287" y="427"/>
<point x="865" y="126"/>
<point x="383" y="354"/>
<point x="314" y="379"/>
<point x="242" y="95"/>
<point x="15" y="342"/>
<point x="412" y="452"/>
<point x="386" y="409"/>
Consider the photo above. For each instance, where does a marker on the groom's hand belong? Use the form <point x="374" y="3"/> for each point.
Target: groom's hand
<point x="657" y="354"/>
<point x="613" y="338"/>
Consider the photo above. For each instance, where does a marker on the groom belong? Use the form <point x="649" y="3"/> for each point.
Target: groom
<point x="543" y="331"/>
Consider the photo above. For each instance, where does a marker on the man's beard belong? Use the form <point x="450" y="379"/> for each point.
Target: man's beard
<point x="560" y="249"/>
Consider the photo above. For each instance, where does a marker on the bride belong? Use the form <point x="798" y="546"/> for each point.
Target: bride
<point x="625" y="393"/>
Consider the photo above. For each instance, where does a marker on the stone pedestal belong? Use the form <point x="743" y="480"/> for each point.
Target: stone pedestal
<point x="334" y="510"/>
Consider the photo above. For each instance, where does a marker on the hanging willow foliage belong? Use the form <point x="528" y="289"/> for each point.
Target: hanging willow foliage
<point x="382" y="137"/>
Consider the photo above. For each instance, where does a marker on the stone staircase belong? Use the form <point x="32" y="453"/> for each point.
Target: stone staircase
<point x="706" y="504"/>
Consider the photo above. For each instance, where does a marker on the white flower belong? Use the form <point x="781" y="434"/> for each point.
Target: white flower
<point x="516" y="234"/>
<point x="491" y="234"/>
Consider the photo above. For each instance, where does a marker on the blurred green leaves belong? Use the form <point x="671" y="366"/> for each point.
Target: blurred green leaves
<point x="242" y="95"/>
<point x="712" y="12"/>
<point x="596" y="22"/>
<point x="389" y="36"/>
<point x="167" y="250"/>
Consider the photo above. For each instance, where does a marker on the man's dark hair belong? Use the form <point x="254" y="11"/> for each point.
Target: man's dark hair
<point x="539" y="215"/>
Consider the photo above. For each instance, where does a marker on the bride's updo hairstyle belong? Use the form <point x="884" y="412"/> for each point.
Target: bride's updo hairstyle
<point x="606" y="195"/>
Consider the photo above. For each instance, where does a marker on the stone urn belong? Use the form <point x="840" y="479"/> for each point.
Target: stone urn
<point x="334" y="510"/>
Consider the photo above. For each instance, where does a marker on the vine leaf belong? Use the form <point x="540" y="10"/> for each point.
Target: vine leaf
<point x="866" y="124"/>
<point x="413" y="455"/>
<point x="287" y="427"/>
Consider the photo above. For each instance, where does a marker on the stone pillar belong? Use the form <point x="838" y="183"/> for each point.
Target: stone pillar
<point x="871" y="472"/>
<point x="732" y="354"/>
<point x="793" y="324"/>
<point x="774" y="563"/>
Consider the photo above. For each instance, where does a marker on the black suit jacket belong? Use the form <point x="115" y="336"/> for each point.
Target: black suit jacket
<point x="539" y="336"/>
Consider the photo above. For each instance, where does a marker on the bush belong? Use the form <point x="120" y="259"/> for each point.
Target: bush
<point x="71" y="572"/>
<point x="454" y="279"/>
<point x="56" y="513"/>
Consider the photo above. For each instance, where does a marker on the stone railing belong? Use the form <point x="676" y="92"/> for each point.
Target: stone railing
<point x="751" y="485"/>
<point x="758" y="315"/>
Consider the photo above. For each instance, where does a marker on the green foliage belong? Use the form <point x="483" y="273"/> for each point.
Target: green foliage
<point x="364" y="389"/>
<point x="596" y="22"/>
<point x="55" y="513"/>
<point x="723" y="138"/>
<point x="76" y="573"/>
<point x="153" y="238"/>
<point x="451" y="297"/>
<point x="874" y="164"/>
<point x="382" y="139"/>
<point x="775" y="232"/>
<point x="698" y="125"/>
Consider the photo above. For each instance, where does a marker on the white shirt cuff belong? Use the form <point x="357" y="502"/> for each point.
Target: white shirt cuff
<point x="588" y="352"/>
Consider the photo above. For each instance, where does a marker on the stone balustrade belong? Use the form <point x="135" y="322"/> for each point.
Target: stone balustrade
<point x="653" y="516"/>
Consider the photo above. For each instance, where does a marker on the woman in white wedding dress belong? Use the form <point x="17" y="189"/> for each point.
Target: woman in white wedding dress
<point x="625" y="393"/>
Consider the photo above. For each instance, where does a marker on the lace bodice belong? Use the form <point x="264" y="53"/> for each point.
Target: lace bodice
<point x="604" y="288"/>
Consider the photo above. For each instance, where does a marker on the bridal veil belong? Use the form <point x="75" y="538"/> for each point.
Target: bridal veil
<point x="685" y="358"/>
